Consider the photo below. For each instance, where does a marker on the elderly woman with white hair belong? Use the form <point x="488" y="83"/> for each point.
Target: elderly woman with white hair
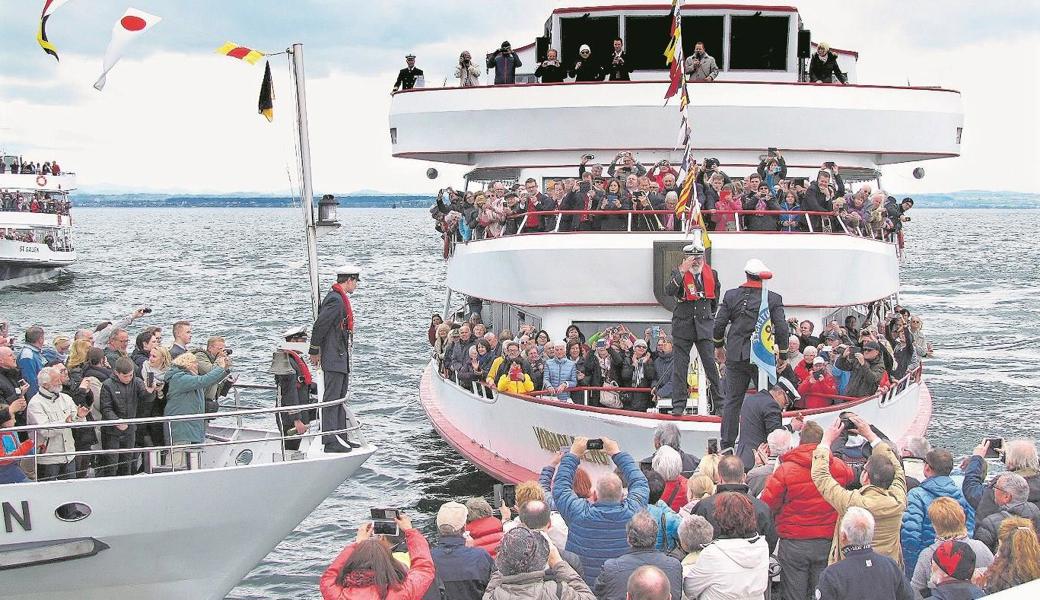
<point x="668" y="464"/>
<point x="695" y="532"/>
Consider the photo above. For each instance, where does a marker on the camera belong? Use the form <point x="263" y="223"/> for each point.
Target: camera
<point x="713" y="445"/>
<point x="589" y="156"/>
<point x="996" y="447"/>
<point x="384" y="521"/>
<point x="849" y="426"/>
<point x="147" y="310"/>
<point x="594" y="444"/>
<point x="830" y="164"/>
<point x="149" y="379"/>
<point x="504" y="494"/>
<point x="227" y="351"/>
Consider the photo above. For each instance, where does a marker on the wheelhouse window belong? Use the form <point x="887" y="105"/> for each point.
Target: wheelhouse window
<point x="645" y="41"/>
<point x="597" y="32"/>
<point x="703" y="29"/>
<point x="758" y="43"/>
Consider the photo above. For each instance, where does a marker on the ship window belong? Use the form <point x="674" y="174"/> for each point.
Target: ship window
<point x="645" y="41"/>
<point x="758" y="43"/>
<point x="597" y="32"/>
<point x="703" y="29"/>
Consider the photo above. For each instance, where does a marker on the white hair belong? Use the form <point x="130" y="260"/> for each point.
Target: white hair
<point x="671" y="195"/>
<point x="917" y="447"/>
<point x="695" y="532"/>
<point x="666" y="434"/>
<point x="47" y="376"/>
<point x="1021" y="454"/>
<point x="1015" y="486"/>
<point x="857" y="526"/>
<point x="780" y="441"/>
<point x="667" y="462"/>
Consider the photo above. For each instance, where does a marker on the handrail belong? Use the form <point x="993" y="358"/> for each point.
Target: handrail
<point x="850" y="86"/>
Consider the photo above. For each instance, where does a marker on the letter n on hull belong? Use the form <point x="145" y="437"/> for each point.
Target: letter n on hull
<point x="11" y="516"/>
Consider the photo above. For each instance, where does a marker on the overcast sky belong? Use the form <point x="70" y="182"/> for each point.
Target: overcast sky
<point x="175" y="116"/>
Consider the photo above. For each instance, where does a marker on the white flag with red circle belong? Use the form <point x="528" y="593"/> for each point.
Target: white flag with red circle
<point x="133" y="23"/>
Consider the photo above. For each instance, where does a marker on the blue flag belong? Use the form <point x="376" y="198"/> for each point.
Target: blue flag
<point x="763" y="344"/>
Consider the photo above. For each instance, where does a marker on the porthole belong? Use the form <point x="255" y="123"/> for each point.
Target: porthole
<point x="244" y="457"/>
<point x="70" y="512"/>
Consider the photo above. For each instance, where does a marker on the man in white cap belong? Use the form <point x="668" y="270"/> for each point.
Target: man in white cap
<point x="586" y="68"/>
<point x="463" y="571"/>
<point x="738" y="312"/>
<point x="406" y="77"/>
<point x="332" y="340"/>
<point x="295" y="383"/>
<point x="695" y="286"/>
<point x="760" y="415"/>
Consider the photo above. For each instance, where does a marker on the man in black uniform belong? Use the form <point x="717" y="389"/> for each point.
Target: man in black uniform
<point x="696" y="287"/>
<point x="295" y="385"/>
<point x="760" y="415"/>
<point x="406" y="77"/>
<point x="739" y="311"/>
<point x="331" y="343"/>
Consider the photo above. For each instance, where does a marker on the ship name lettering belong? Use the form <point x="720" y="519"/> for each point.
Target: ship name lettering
<point x="551" y="442"/>
<point x="28" y="249"/>
<point x="11" y="515"/>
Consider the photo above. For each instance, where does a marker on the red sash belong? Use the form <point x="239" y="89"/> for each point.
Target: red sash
<point x="301" y="366"/>
<point x="690" y="284"/>
<point x="348" y="322"/>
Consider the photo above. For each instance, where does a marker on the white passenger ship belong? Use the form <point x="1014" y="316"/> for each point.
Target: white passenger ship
<point x="35" y="225"/>
<point x="599" y="279"/>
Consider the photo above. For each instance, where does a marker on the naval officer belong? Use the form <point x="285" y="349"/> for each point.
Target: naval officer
<point x="739" y="312"/>
<point x="406" y="77"/>
<point x="332" y="340"/>
<point x="696" y="287"/>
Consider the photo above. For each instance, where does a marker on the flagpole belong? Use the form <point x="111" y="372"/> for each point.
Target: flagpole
<point x="307" y="193"/>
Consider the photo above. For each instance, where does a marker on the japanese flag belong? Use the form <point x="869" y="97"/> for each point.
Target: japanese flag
<point x="133" y="23"/>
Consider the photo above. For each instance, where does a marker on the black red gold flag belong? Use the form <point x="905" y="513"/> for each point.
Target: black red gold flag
<point x="41" y="34"/>
<point x="266" y="104"/>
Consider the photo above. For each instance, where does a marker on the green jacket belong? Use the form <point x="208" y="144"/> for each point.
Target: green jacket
<point x="184" y="396"/>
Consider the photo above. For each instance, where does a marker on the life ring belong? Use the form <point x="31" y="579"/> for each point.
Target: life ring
<point x="41" y="180"/>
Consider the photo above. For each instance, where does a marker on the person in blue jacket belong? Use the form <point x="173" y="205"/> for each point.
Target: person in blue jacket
<point x="597" y="527"/>
<point x="917" y="532"/>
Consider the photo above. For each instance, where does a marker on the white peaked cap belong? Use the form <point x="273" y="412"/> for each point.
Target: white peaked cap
<point x="755" y="267"/>
<point x="295" y="331"/>
<point x="693" y="249"/>
<point x="348" y="269"/>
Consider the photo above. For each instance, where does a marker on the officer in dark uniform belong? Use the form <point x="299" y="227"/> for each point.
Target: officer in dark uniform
<point x="760" y="415"/>
<point x="295" y="385"/>
<point x="696" y="287"/>
<point x="406" y="77"/>
<point x="332" y="340"/>
<point x="739" y="312"/>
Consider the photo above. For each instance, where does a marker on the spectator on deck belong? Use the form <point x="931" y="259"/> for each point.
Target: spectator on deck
<point x="791" y="221"/>
<point x="207" y="361"/>
<point x="123" y="396"/>
<point x="143" y="345"/>
<point x="823" y="67"/>
<point x="367" y="570"/>
<point x="667" y="434"/>
<point x="628" y="166"/>
<point x="917" y="530"/>
<point x="185" y="396"/>
<point x="505" y="62"/>
<point x="515" y="381"/>
<point x="586" y="68"/>
<point x="819" y="386"/>
<point x="921" y="342"/>
<point x="617" y="69"/>
<point x="463" y="572"/>
<point x="534" y="366"/>
<point x="1018" y="556"/>
<point x="52" y="407"/>
<point x="550" y="70"/>
<point x="30" y="359"/>
<point x="948" y="519"/>
<point x="700" y="66"/>
<point x="736" y="564"/>
<point x="181" y="338"/>
<point x="522" y="570"/>
<point x="642" y="533"/>
<point x="863" y="573"/>
<point x="1020" y="457"/>
<point x="866" y="369"/>
<point x="58" y="351"/>
<point x="484" y="529"/>
<point x="460" y="348"/>
<point x="772" y="169"/>
<point x="761" y="201"/>
<point x="466" y="72"/>
<point x="560" y="372"/>
<point x="724" y="218"/>
<point x="637" y="371"/>
<point x="595" y="532"/>
<point x="1011" y="494"/>
<point x="732" y="476"/>
<point x="666" y="518"/>
<point x="117" y="345"/>
<point x="11" y="448"/>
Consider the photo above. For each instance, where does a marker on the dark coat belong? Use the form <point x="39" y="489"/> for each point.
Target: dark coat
<point x="865" y="378"/>
<point x="464" y="572"/>
<point x="695" y="319"/>
<point x="760" y="222"/>
<point x="864" y="575"/>
<point x="329" y="337"/>
<point x="825" y="70"/>
<point x="760" y="415"/>
<point x="763" y="514"/>
<point x="586" y="70"/>
<point x="980" y="495"/>
<point x="638" y="400"/>
<point x="550" y="73"/>
<point x="124" y="401"/>
<point x="739" y="312"/>
<point x="612" y="583"/>
<point x="406" y="78"/>
<point x="617" y="72"/>
<point x="575" y="200"/>
<point x="986" y="530"/>
<point x="505" y="65"/>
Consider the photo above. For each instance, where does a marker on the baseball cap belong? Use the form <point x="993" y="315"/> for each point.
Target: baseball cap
<point x="452" y="514"/>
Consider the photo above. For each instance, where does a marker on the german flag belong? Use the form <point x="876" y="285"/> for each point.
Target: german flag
<point x="41" y="34"/>
<point x="240" y="52"/>
<point x="266" y="104"/>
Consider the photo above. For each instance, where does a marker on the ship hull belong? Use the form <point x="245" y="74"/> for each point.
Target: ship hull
<point x="12" y="275"/>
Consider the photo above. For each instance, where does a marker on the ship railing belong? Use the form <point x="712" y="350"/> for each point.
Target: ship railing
<point x="633" y="222"/>
<point x="488" y="393"/>
<point x="160" y="458"/>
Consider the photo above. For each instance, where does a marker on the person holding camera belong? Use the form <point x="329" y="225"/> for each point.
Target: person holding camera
<point x="617" y="70"/>
<point x="819" y="387"/>
<point x="215" y="347"/>
<point x="505" y="62"/>
<point x="467" y="73"/>
<point x="585" y="68"/>
<point x="696" y="288"/>
<point x="700" y="66"/>
<point x="367" y="569"/>
<point x="865" y="365"/>
<point x="550" y="70"/>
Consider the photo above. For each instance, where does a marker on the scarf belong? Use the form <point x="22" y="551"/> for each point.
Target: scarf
<point x="707" y="279"/>
<point x="301" y="369"/>
<point x="348" y="321"/>
<point x="359" y="579"/>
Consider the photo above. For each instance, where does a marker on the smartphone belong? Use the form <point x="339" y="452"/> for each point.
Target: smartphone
<point x="385" y="528"/>
<point x="504" y="494"/>
<point x="147" y="310"/>
<point x="385" y="514"/>
<point x="713" y="445"/>
<point x="996" y="444"/>
<point x="829" y="164"/>
<point x="22" y="383"/>
<point x="594" y="444"/>
<point x="149" y="379"/>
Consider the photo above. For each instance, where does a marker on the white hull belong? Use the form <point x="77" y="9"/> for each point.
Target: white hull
<point x="512" y="438"/>
<point x="16" y="275"/>
<point x="184" y="535"/>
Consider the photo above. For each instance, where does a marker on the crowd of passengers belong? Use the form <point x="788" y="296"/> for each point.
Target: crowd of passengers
<point x="37" y="202"/>
<point x="27" y="167"/>
<point x="835" y="510"/>
<point x="626" y="195"/>
<point x="98" y="374"/>
<point x="822" y="366"/>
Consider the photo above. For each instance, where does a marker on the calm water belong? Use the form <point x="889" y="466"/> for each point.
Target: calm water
<point x="241" y="274"/>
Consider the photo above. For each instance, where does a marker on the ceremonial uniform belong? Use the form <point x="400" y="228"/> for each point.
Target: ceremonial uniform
<point x="739" y="312"/>
<point x="294" y="387"/>
<point x="698" y="297"/>
<point x="332" y="338"/>
<point x="406" y="77"/>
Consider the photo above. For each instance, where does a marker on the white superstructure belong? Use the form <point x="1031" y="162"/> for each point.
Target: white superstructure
<point x="35" y="225"/>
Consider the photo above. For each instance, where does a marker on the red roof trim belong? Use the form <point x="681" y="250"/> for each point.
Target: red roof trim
<point x="668" y="8"/>
<point x="531" y="45"/>
<point x="839" y="50"/>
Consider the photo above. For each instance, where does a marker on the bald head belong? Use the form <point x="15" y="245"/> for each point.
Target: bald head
<point x="609" y="489"/>
<point x="7" y="359"/>
<point x="649" y="583"/>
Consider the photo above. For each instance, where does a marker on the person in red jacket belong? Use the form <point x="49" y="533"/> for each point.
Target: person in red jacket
<point x="365" y="570"/>
<point x="804" y="520"/>
<point x="484" y="529"/>
<point x="801" y="370"/>
<point x="818" y="387"/>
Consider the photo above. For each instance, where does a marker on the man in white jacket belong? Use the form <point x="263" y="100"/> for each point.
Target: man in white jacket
<point x="51" y="406"/>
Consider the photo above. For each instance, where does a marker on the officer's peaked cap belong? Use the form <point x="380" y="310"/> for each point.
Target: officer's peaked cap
<point x="348" y="269"/>
<point x="693" y="250"/>
<point x="295" y="332"/>
<point x="755" y="267"/>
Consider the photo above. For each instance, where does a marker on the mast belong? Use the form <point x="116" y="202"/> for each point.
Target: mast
<point x="304" y="164"/>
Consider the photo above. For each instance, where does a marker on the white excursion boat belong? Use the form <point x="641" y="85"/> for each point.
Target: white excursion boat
<point x="35" y="225"/>
<point x="595" y="279"/>
<point x="183" y="531"/>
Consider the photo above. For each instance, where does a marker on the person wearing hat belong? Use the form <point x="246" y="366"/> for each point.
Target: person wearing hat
<point x="760" y="415"/>
<point x="819" y="387"/>
<point x="505" y="62"/>
<point x="295" y="384"/>
<point x="953" y="565"/>
<point x="530" y="567"/>
<point x="865" y="367"/>
<point x="734" y="326"/>
<point x="406" y="77"/>
<point x="463" y="572"/>
<point x="823" y="67"/>
<point x="638" y="371"/>
<point x="332" y="339"/>
<point x="586" y="68"/>
<point x="695" y="286"/>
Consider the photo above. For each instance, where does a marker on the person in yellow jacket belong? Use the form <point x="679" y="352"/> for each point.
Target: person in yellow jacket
<point x="500" y="365"/>
<point x="515" y="381"/>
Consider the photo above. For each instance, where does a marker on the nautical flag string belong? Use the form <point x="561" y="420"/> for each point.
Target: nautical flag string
<point x="133" y="23"/>
<point x="41" y="34"/>
<point x="240" y="52"/>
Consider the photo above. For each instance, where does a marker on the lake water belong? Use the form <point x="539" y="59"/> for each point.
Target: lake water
<point x="241" y="273"/>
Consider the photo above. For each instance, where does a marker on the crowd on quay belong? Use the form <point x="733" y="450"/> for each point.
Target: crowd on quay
<point x="625" y="194"/>
<point x="844" y="362"/>
<point x="95" y="374"/>
<point x="504" y="61"/>
<point x="37" y="202"/>
<point x="810" y="521"/>
<point x="20" y="166"/>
